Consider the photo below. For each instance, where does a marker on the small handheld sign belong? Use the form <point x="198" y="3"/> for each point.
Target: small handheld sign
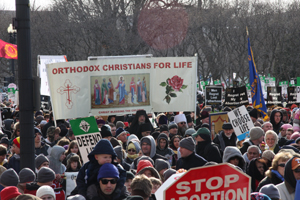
<point x="87" y="135"/>
<point x="241" y="122"/>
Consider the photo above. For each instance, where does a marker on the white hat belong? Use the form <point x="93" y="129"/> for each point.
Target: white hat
<point x="44" y="190"/>
<point x="179" y="118"/>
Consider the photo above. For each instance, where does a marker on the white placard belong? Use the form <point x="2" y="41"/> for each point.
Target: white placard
<point x="241" y="122"/>
<point x="71" y="182"/>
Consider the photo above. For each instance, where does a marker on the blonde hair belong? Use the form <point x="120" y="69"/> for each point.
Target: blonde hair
<point x="284" y="156"/>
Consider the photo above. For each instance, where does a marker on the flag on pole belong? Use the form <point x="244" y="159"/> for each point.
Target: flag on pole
<point x="258" y="101"/>
<point x="8" y="50"/>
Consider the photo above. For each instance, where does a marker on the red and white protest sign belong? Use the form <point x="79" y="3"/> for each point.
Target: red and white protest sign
<point x="220" y="182"/>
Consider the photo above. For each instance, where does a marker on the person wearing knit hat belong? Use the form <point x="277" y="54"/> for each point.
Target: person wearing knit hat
<point x="5" y="142"/>
<point x="41" y="161"/>
<point x="189" y="159"/>
<point x="226" y="137"/>
<point x="163" y="119"/>
<point x="145" y="167"/>
<point x="129" y="178"/>
<point x="189" y="132"/>
<point x="259" y="196"/>
<point x="253" y="114"/>
<point x="9" y="178"/>
<point x="107" y="178"/>
<point x="164" y="129"/>
<point x="205" y="147"/>
<point x="121" y="134"/>
<point x="132" y="150"/>
<point x="26" y="175"/>
<point x="169" y="172"/>
<point x="173" y="129"/>
<point x="256" y="137"/>
<point x="102" y="153"/>
<point x="120" y="124"/>
<point x="271" y="191"/>
<point x="45" y="176"/>
<point x="181" y="122"/>
<point x="14" y="161"/>
<point x="120" y="157"/>
<point x="100" y="123"/>
<point x="46" y="192"/>
<point x="106" y="132"/>
<point x="9" y="193"/>
<point x="161" y="166"/>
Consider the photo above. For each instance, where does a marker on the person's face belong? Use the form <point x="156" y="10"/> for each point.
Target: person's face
<point x="142" y="118"/>
<point x="281" y="167"/>
<point x="277" y="117"/>
<point x="260" y="167"/>
<point x="199" y="139"/>
<point x="127" y="184"/>
<point x="56" y="136"/>
<point x="148" y="173"/>
<point x="176" y="142"/>
<point x="252" y="153"/>
<point x="145" y="133"/>
<point x="37" y="138"/>
<point x="289" y="134"/>
<point x="267" y="126"/>
<point x="62" y="157"/>
<point x="184" y="152"/>
<point x="146" y="148"/>
<point x="296" y="173"/>
<point x="162" y="143"/>
<point x="123" y="137"/>
<point x="205" y="120"/>
<point x="173" y="131"/>
<point x="74" y="165"/>
<point x="74" y="149"/>
<point x="108" y="185"/>
<point x="113" y="131"/>
<point x="270" y="140"/>
<point x="103" y="158"/>
<point x="181" y="124"/>
<point x="228" y="132"/>
<point x="15" y="149"/>
<point x="131" y="151"/>
<point x="44" y="164"/>
<point x="17" y="132"/>
<point x="234" y="161"/>
<point x="154" y="188"/>
<point x="47" y="197"/>
<point x="283" y="132"/>
<point x="253" y="119"/>
<point x="99" y="125"/>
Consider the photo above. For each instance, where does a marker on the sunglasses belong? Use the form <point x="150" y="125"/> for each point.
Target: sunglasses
<point x="131" y="150"/>
<point x="182" y="123"/>
<point x="297" y="170"/>
<point x="105" y="181"/>
<point x="281" y="165"/>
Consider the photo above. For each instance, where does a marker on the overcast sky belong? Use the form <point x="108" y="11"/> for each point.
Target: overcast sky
<point x="11" y="4"/>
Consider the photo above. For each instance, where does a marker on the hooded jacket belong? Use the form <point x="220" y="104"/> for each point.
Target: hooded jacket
<point x="88" y="172"/>
<point x="191" y="161"/>
<point x="137" y="148"/>
<point x="209" y="151"/>
<point x="276" y="127"/>
<point x="54" y="163"/>
<point x="231" y="152"/>
<point x="166" y="152"/>
<point x="153" y="154"/>
<point x="256" y="176"/>
<point x="287" y="188"/>
<point x="135" y="123"/>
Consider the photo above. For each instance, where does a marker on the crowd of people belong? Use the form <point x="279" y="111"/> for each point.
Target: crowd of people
<point x="138" y="153"/>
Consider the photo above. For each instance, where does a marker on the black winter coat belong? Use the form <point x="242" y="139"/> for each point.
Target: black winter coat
<point x="192" y="161"/>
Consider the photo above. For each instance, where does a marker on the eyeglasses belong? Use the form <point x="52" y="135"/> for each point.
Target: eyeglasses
<point x="297" y="170"/>
<point x="131" y="150"/>
<point x="182" y="123"/>
<point x="105" y="181"/>
<point x="281" y="165"/>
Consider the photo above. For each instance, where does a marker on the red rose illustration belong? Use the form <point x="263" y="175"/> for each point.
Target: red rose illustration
<point x="175" y="82"/>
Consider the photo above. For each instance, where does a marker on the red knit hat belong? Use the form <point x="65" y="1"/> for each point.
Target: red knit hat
<point x="142" y="164"/>
<point x="9" y="193"/>
<point x="16" y="141"/>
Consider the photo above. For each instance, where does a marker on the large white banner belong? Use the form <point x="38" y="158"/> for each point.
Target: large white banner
<point x="42" y="62"/>
<point x="122" y="86"/>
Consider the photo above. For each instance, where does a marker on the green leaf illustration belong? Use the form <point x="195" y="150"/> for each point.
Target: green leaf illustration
<point x="183" y="86"/>
<point x="167" y="81"/>
<point x="173" y="95"/>
<point x="163" y="84"/>
<point x="180" y="90"/>
<point x="168" y="99"/>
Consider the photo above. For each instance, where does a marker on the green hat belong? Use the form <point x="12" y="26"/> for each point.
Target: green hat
<point x="203" y="132"/>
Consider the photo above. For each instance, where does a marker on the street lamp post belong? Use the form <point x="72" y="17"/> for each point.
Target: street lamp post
<point x="12" y="39"/>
